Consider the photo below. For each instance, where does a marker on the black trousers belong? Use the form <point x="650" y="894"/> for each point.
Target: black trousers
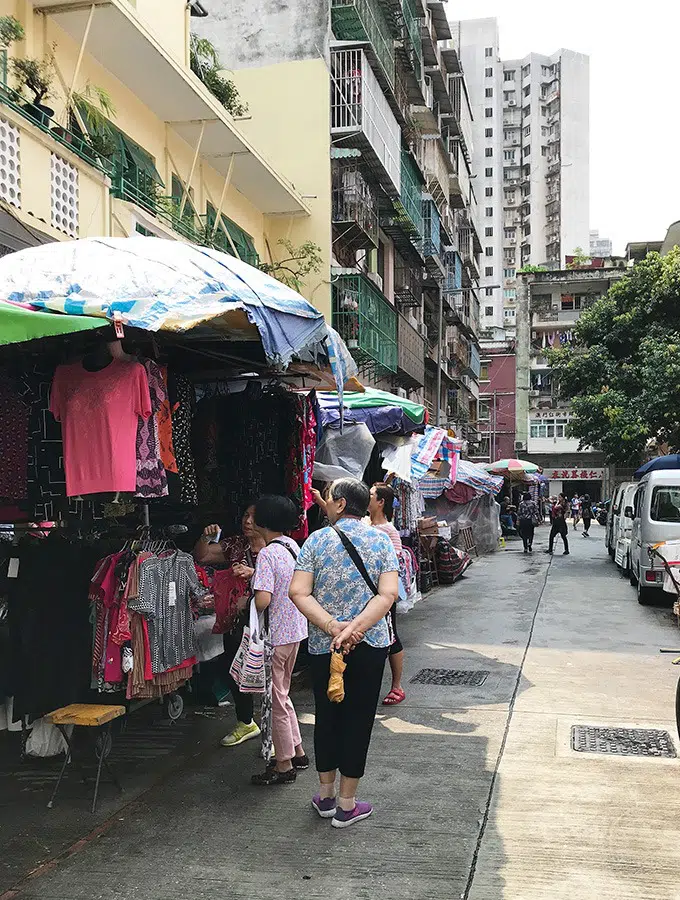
<point x="526" y="531"/>
<point x="397" y="646"/>
<point x="586" y="524"/>
<point x="559" y="526"/>
<point x="342" y="732"/>
<point x="243" y="703"/>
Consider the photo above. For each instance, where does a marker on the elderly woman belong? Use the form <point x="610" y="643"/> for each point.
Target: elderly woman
<point x="240" y="553"/>
<point x="346" y="609"/>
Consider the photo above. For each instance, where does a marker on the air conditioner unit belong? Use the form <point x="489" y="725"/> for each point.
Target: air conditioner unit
<point x="534" y="393"/>
<point x="512" y="103"/>
<point x="512" y="240"/>
<point x="520" y="445"/>
<point x="422" y="329"/>
<point x="401" y="392"/>
<point x="376" y="279"/>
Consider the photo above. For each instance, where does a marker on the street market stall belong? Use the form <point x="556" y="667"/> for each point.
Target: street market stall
<point x="142" y="383"/>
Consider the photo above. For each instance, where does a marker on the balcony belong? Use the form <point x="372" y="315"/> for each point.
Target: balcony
<point x="408" y="284"/>
<point x="432" y="248"/>
<point x="361" y="115"/>
<point x="364" y="20"/>
<point x="437" y="166"/>
<point x="366" y="322"/>
<point x="413" y="44"/>
<point x="405" y="222"/>
<point x="553" y="317"/>
<point x="120" y="42"/>
<point x="410" y="354"/>
<point x="354" y="207"/>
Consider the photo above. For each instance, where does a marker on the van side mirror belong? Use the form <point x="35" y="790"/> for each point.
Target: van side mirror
<point x="628" y="513"/>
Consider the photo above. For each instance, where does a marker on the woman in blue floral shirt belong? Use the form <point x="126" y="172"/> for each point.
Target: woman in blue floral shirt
<point x="344" y="613"/>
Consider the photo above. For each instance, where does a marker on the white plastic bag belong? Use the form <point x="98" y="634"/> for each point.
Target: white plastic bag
<point x="45" y="740"/>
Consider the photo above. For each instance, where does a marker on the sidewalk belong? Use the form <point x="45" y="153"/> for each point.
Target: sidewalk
<point x="448" y="762"/>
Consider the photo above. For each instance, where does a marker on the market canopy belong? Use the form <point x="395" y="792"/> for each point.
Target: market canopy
<point x="164" y="285"/>
<point x="18" y="324"/>
<point x="515" y="469"/>
<point x="371" y="398"/>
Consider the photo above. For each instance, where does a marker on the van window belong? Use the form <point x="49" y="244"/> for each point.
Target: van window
<point x="637" y="501"/>
<point x="618" y="497"/>
<point x="665" y="506"/>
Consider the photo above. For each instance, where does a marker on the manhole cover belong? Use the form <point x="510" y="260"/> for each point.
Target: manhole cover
<point x="622" y="741"/>
<point x="450" y="676"/>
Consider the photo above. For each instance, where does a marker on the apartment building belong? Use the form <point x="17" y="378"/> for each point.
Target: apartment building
<point x="402" y="221"/>
<point x="550" y="304"/>
<point x="170" y="160"/>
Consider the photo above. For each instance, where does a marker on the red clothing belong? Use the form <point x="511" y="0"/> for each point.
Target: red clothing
<point x="99" y="414"/>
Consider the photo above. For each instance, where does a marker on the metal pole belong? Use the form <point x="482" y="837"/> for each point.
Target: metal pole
<point x="440" y="324"/>
<point x="494" y="420"/>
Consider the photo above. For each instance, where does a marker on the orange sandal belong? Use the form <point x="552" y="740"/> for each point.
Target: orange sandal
<point x="395" y="696"/>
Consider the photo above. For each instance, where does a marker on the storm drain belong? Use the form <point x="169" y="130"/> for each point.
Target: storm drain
<point x="622" y="741"/>
<point x="450" y="676"/>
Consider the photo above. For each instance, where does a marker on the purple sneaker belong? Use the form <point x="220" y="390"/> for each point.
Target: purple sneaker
<point x="343" y="819"/>
<point x="326" y="807"/>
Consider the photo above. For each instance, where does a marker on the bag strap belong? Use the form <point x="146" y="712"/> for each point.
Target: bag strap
<point x="284" y="544"/>
<point x="356" y="559"/>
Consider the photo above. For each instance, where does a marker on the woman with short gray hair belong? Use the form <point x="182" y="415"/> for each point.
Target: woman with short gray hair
<point x="346" y="608"/>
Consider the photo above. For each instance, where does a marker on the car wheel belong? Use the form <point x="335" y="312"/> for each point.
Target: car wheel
<point x="612" y="552"/>
<point x="631" y="575"/>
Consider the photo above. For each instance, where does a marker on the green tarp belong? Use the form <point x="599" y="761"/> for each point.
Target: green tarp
<point x="372" y="397"/>
<point x="18" y="324"/>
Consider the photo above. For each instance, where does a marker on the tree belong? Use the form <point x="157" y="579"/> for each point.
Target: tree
<point x="579" y="259"/>
<point x="205" y="62"/>
<point x="622" y="373"/>
<point x="300" y="262"/>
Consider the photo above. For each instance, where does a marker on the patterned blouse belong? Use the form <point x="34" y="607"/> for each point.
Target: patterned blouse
<point x="338" y="584"/>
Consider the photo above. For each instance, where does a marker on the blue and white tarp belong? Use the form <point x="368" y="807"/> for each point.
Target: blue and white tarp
<point x="157" y="284"/>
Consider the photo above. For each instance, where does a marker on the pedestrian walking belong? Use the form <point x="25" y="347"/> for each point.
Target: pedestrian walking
<point x="286" y="627"/>
<point x="345" y="583"/>
<point x="559" y="514"/>
<point x="576" y="510"/>
<point x="381" y="511"/>
<point x="528" y="516"/>
<point x="587" y="514"/>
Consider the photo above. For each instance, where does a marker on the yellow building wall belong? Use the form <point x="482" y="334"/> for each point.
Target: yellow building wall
<point x="168" y="21"/>
<point x="289" y="108"/>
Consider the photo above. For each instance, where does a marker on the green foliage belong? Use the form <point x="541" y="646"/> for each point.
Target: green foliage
<point x="11" y="30"/>
<point x="34" y="75"/>
<point x="528" y="268"/>
<point x="96" y="109"/>
<point x="579" y="259"/>
<point x="205" y="63"/>
<point x="300" y="262"/>
<point x="622" y="376"/>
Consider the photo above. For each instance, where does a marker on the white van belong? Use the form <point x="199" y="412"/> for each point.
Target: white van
<point x="622" y="527"/>
<point x="656" y="517"/>
<point x="615" y="513"/>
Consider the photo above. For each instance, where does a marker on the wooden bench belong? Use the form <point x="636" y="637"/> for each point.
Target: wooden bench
<point x="468" y="538"/>
<point x="86" y="715"/>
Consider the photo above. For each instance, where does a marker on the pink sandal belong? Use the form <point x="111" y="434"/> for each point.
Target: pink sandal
<point x="395" y="696"/>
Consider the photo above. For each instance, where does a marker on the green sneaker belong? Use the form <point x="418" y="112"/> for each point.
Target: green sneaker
<point x="241" y="733"/>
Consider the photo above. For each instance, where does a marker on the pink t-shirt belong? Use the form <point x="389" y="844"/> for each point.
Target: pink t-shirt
<point x="99" y="413"/>
<point x="392" y="533"/>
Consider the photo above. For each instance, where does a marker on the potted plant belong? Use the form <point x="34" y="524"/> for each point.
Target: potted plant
<point x="11" y="30"/>
<point x="35" y="76"/>
<point x="95" y="108"/>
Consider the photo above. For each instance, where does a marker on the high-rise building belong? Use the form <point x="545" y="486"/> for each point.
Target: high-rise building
<point x="600" y="248"/>
<point x="531" y="170"/>
<point x="390" y="184"/>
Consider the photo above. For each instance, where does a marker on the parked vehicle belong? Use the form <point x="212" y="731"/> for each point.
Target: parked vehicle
<point x="655" y="515"/>
<point x="622" y="527"/>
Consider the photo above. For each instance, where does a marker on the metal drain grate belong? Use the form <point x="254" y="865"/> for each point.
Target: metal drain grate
<point x="622" y="741"/>
<point x="450" y="676"/>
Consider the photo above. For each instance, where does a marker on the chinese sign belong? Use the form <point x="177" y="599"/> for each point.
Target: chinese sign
<point x="574" y="474"/>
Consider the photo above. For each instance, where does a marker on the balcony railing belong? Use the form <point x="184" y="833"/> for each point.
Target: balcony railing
<point x="408" y="285"/>
<point x="411" y="353"/>
<point x="355" y="208"/>
<point x="407" y="215"/>
<point x="366" y="322"/>
<point x="364" y="20"/>
<point x="73" y="141"/>
<point x="431" y="230"/>
<point x="361" y="114"/>
<point x="412" y="38"/>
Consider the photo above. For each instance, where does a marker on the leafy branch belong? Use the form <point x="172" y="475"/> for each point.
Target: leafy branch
<point x="205" y="63"/>
<point x="300" y="262"/>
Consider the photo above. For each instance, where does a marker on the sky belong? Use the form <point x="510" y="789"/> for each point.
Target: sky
<point x="634" y="106"/>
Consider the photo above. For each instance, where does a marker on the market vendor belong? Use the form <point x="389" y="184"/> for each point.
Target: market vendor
<point x="238" y="553"/>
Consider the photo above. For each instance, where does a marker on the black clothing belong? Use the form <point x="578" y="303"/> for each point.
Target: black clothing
<point x="397" y="646"/>
<point x="243" y="703"/>
<point x="559" y="526"/>
<point x="342" y="732"/>
<point x="526" y="531"/>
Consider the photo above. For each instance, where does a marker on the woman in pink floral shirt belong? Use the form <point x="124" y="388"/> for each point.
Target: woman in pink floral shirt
<point x="287" y="627"/>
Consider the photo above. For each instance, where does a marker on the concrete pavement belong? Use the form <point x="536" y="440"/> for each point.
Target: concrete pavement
<point x="477" y="792"/>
